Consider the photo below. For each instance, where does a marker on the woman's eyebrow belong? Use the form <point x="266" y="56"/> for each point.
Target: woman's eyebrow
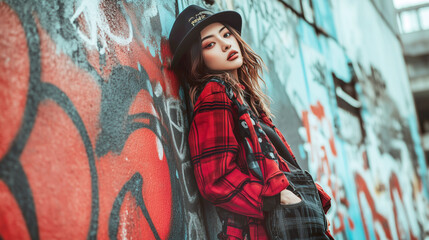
<point x="204" y="38"/>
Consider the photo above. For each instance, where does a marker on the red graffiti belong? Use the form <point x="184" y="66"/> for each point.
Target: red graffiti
<point x="306" y="124"/>
<point x="12" y="223"/>
<point x="376" y="216"/>
<point x="71" y="199"/>
<point x="13" y="86"/>
<point x="319" y="112"/>
<point x="319" y="147"/>
<point x="319" y="155"/>
<point x="394" y="185"/>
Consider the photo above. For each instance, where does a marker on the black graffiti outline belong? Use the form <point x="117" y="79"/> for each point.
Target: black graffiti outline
<point x="11" y="170"/>
<point x="54" y="93"/>
<point x="114" y="116"/>
<point x="134" y="186"/>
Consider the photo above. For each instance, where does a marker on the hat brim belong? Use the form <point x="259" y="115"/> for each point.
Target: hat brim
<point x="231" y="18"/>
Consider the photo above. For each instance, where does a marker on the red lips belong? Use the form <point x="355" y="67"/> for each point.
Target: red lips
<point x="232" y="55"/>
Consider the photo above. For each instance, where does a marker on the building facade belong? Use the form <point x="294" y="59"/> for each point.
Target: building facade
<point x="414" y="31"/>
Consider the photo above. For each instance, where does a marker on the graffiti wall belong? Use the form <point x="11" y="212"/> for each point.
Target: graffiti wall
<point x="94" y="124"/>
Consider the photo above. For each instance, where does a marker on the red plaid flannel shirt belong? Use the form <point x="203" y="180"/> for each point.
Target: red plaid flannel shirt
<point x="220" y="165"/>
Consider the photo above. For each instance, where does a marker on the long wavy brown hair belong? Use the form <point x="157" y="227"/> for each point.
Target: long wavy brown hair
<point x="192" y="67"/>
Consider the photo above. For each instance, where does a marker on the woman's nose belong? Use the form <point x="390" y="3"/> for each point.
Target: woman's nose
<point x="226" y="45"/>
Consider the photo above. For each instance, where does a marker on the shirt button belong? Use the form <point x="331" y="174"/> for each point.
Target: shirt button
<point x="271" y="154"/>
<point x="260" y="140"/>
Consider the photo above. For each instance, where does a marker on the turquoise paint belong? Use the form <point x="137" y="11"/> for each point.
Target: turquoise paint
<point x="337" y="60"/>
<point x="308" y="36"/>
<point x="149" y="86"/>
<point x="167" y="17"/>
<point x="301" y="32"/>
<point x="331" y="62"/>
<point x="324" y="17"/>
<point x="302" y="153"/>
<point x="369" y="222"/>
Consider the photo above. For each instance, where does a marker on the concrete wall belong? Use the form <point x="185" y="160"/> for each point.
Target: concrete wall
<point x="93" y="140"/>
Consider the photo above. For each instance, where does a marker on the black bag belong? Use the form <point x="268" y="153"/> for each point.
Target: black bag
<point x="303" y="220"/>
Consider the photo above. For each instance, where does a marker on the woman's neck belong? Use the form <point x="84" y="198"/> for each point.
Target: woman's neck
<point x="235" y="74"/>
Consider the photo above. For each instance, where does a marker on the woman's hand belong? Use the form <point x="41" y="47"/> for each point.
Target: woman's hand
<point x="288" y="197"/>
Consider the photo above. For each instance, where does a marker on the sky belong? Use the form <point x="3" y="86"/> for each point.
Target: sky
<point x="406" y="3"/>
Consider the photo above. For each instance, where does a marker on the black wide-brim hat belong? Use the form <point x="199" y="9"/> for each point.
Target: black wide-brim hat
<point x="189" y="24"/>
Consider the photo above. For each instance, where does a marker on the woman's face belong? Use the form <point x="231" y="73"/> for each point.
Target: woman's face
<point x="220" y="49"/>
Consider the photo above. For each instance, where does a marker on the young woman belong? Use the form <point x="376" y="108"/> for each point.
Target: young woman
<point x="242" y="163"/>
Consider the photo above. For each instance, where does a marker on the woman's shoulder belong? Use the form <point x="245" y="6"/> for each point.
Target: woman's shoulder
<point x="212" y="90"/>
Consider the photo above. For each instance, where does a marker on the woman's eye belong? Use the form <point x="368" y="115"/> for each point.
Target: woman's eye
<point x="209" y="45"/>
<point x="227" y="34"/>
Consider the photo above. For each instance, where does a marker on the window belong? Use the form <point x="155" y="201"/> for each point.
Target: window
<point x="409" y="21"/>
<point x="424" y="17"/>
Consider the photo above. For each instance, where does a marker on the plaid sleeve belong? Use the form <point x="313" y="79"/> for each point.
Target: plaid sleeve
<point x="324" y="197"/>
<point x="214" y="149"/>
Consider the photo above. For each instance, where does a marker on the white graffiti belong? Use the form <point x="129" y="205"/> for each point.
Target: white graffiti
<point x="187" y="173"/>
<point x="350" y="129"/>
<point x="98" y="27"/>
<point x="266" y="31"/>
<point x="177" y="125"/>
<point x="159" y="146"/>
<point x="196" y="229"/>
